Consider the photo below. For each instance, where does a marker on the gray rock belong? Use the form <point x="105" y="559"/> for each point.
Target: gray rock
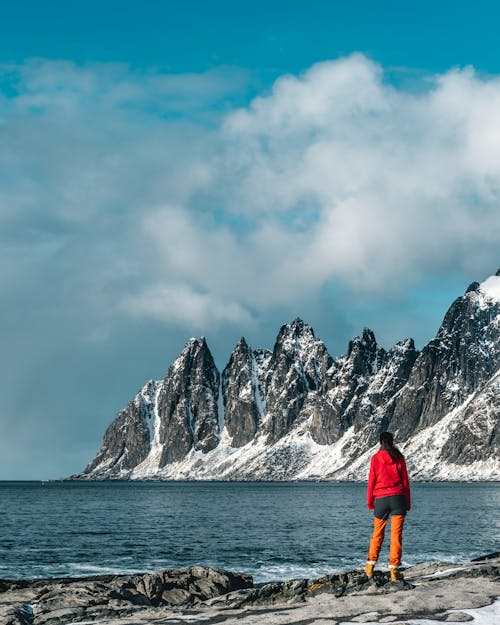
<point x="60" y="601"/>
<point x="461" y="359"/>
<point x="477" y="437"/>
<point x="215" y="595"/>
<point x="345" y="382"/>
<point x="458" y="617"/>
<point x="297" y="369"/>
<point x="187" y="405"/>
<point x="242" y="392"/>
<point x="126" y="442"/>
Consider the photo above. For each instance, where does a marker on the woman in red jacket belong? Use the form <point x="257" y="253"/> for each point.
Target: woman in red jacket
<point x="388" y="494"/>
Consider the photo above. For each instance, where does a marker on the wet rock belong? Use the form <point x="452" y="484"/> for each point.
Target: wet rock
<point x="338" y="585"/>
<point x="62" y="601"/>
<point x="18" y="616"/>
<point x="215" y="595"/>
<point x="490" y="556"/>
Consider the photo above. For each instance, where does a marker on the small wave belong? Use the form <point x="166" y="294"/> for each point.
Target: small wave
<point x="85" y="568"/>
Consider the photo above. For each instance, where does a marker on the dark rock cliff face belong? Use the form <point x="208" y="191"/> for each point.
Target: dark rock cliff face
<point x="462" y="357"/>
<point x="393" y="373"/>
<point x="343" y="386"/>
<point x="477" y="436"/>
<point x="187" y="405"/>
<point x="298" y="366"/>
<point x="369" y="412"/>
<point x="244" y="403"/>
<point x="127" y="442"/>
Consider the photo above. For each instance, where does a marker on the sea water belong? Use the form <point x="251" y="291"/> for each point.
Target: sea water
<point x="271" y="530"/>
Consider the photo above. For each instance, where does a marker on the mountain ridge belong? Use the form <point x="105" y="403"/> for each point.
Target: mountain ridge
<point x="295" y="412"/>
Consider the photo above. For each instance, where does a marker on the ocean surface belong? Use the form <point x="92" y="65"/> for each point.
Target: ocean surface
<point x="270" y="530"/>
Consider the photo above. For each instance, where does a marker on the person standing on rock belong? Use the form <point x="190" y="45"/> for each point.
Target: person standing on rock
<point x="388" y="495"/>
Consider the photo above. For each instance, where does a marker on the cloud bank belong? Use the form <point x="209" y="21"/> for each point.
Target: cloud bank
<point x="122" y="186"/>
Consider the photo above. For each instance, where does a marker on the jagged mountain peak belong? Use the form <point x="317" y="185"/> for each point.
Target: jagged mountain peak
<point x="471" y="312"/>
<point x="187" y="404"/>
<point x="297" y="343"/>
<point x="194" y="342"/>
<point x="195" y="350"/>
<point x="458" y="361"/>
<point x="299" y="326"/>
<point x="363" y="354"/>
<point x="295" y="338"/>
<point x="241" y="351"/>
<point x="242" y="345"/>
<point x="192" y="345"/>
<point x="147" y="392"/>
<point x="366" y="340"/>
<point x="295" y="329"/>
<point x="244" y="403"/>
<point x="408" y="343"/>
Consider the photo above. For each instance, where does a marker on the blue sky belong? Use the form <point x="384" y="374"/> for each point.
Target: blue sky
<point x="267" y="37"/>
<point x="219" y="168"/>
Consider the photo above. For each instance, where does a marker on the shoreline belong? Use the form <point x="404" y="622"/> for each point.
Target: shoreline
<point x="153" y="480"/>
<point x="192" y="594"/>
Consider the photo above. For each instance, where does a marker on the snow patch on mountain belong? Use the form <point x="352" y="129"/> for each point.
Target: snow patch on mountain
<point x="149" y="466"/>
<point x="423" y="450"/>
<point x="491" y="287"/>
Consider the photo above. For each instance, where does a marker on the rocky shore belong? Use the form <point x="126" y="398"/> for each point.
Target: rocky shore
<point x="431" y="593"/>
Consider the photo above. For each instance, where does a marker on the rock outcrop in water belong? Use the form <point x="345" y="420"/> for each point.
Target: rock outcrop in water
<point x="200" y="594"/>
<point x="298" y="413"/>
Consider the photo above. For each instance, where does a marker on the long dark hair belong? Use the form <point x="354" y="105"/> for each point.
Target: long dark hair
<point x="388" y="439"/>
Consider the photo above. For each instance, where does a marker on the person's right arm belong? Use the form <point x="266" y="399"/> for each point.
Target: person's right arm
<point x="406" y="484"/>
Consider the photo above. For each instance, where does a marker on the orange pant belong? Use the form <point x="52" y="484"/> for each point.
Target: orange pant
<point x="377" y="539"/>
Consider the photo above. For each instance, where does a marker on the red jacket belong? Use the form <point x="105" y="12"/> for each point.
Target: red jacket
<point x="387" y="477"/>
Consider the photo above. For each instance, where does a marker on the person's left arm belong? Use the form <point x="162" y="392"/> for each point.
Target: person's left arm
<point x="372" y="478"/>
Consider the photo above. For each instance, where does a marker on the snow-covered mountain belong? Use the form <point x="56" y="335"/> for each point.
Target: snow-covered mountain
<point x="297" y="413"/>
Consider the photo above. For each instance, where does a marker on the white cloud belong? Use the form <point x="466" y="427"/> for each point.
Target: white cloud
<point x="181" y="305"/>
<point x="62" y="88"/>
<point x="343" y="177"/>
<point x="334" y="175"/>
